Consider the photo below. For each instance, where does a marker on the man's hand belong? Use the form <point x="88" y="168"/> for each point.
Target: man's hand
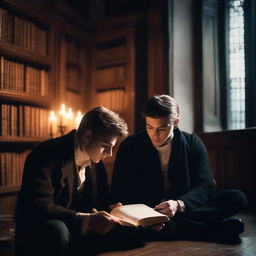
<point x="101" y="222"/>
<point x="112" y="206"/>
<point x="158" y="227"/>
<point x="168" y="208"/>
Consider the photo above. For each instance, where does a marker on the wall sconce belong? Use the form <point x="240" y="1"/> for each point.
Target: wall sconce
<point x="64" y="122"/>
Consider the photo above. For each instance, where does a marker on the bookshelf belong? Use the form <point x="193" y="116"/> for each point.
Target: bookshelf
<point x="25" y="91"/>
<point x="119" y="69"/>
<point x="74" y="65"/>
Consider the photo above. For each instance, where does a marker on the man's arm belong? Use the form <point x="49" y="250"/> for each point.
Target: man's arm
<point x="122" y="185"/>
<point x="200" y="174"/>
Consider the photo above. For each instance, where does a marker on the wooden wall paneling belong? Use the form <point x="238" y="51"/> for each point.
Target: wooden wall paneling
<point x="8" y="203"/>
<point x="214" y="162"/>
<point x="157" y="53"/>
<point x="232" y="159"/>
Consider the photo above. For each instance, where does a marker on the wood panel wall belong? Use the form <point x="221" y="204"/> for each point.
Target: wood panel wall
<point x="232" y="156"/>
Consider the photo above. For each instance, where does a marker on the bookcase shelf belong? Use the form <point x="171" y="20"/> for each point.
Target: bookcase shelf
<point x="110" y="63"/>
<point x="21" y="54"/>
<point x="16" y="139"/>
<point x="37" y="100"/>
<point x="9" y="189"/>
<point x="26" y="94"/>
<point x="25" y="9"/>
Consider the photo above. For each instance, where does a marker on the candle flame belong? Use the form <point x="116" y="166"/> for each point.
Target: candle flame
<point x="52" y="116"/>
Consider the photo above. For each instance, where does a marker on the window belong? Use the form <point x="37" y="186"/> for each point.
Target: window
<point x="236" y="63"/>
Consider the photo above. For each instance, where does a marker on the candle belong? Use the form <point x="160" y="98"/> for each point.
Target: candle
<point x="62" y="114"/>
<point x="70" y="119"/>
<point x="53" y="124"/>
<point x="78" y="118"/>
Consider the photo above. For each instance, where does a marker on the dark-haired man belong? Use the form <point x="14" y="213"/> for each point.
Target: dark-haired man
<point x="168" y="170"/>
<point x="64" y="182"/>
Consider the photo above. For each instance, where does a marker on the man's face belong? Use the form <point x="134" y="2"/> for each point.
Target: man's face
<point x="100" y="147"/>
<point x="159" y="130"/>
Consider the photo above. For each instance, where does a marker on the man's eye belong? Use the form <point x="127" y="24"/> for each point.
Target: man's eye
<point x="162" y="129"/>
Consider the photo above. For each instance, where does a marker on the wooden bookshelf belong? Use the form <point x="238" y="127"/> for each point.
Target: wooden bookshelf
<point x="9" y="189"/>
<point x="14" y="52"/>
<point x="25" y="90"/>
<point x="44" y="62"/>
<point x="15" y="140"/>
<point x="41" y="101"/>
<point x="74" y="74"/>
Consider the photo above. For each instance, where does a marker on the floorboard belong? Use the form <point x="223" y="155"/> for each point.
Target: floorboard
<point x="183" y="248"/>
<point x="189" y="248"/>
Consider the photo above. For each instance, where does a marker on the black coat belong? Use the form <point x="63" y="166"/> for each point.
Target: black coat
<point x="137" y="175"/>
<point x="48" y="188"/>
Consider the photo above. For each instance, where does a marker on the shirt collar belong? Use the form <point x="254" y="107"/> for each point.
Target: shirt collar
<point x="167" y="143"/>
<point x="81" y="157"/>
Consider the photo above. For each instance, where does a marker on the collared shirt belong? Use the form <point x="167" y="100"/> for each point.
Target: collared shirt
<point x="82" y="160"/>
<point x="164" y="154"/>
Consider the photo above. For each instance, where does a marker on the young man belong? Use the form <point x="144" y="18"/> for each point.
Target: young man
<point x="168" y="169"/>
<point x="64" y="184"/>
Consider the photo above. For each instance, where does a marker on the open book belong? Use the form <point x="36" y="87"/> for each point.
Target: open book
<point x="135" y="215"/>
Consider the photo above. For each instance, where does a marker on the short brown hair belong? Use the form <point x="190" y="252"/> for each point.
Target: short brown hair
<point x="102" y="121"/>
<point x="161" y="106"/>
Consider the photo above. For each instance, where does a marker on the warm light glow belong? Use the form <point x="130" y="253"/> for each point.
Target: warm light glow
<point x="52" y="116"/>
<point x="69" y="116"/>
<point x="64" y="122"/>
<point x="53" y="124"/>
<point x="78" y="118"/>
<point x="62" y="114"/>
<point x="62" y="109"/>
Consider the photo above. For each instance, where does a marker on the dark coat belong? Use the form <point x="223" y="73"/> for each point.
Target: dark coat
<point x="48" y="188"/>
<point x="137" y="175"/>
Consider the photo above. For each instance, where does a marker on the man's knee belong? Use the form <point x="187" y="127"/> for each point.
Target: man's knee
<point x="55" y="237"/>
<point x="241" y="197"/>
<point x="237" y="196"/>
<point x="56" y="231"/>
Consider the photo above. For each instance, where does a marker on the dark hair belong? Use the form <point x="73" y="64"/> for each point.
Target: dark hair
<point x="102" y="121"/>
<point x="161" y="106"/>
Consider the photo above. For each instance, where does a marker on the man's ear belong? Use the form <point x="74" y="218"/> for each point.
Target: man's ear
<point x="176" y="122"/>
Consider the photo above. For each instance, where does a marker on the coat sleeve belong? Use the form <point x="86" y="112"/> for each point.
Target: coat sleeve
<point x="202" y="183"/>
<point x="36" y="200"/>
<point x="120" y="190"/>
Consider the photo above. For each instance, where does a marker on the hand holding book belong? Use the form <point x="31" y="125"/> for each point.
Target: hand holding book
<point x="168" y="208"/>
<point x="138" y="215"/>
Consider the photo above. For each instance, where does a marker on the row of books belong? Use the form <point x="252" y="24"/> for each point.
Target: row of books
<point x="12" y="168"/>
<point x="24" y="121"/>
<point x="73" y="52"/>
<point x="22" y="32"/>
<point x="18" y="77"/>
<point x="73" y="77"/>
<point x="113" y="99"/>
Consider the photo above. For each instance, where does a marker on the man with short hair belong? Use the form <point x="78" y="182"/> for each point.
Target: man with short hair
<point x="64" y="184"/>
<point x="168" y="169"/>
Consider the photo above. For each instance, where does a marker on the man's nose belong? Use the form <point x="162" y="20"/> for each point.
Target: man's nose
<point x="155" y="133"/>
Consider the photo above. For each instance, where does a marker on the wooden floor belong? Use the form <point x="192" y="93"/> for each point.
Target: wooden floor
<point x="188" y="248"/>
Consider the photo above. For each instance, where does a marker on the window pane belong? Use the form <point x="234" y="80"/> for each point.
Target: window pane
<point x="236" y="65"/>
